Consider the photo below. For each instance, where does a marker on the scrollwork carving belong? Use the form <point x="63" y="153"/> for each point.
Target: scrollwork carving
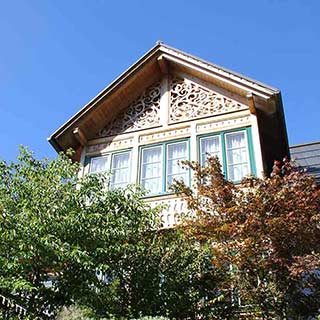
<point x="142" y="113"/>
<point x="189" y="100"/>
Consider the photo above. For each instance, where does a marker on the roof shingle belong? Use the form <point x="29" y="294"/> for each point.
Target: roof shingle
<point x="308" y="156"/>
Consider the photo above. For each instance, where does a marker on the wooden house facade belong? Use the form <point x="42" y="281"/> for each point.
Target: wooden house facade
<point x="171" y="106"/>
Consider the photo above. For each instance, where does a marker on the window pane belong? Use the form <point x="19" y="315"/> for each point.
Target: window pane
<point x="237" y="156"/>
<point x="154" y="186"/>
<point x="176" y="153"/>
<point x="120" y="170"/>
<point x="210" y="147"/>
<point x="99" y="164"/>
<point x="151" y="171"/>
<point x="237" y="172"/>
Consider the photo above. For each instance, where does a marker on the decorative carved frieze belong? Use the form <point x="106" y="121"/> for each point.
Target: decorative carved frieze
<point x="142" y="113"/>
<point x="223" y="124"/>
<point x="165" y="135"/>
<point x="110" y="145"/>
<point x="189" y="100"/>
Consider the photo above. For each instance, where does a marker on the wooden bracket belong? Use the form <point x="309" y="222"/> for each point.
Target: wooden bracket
<point x="163" y="64"/>
<point x="79" y="135"/>
<point x="251" y="103"/>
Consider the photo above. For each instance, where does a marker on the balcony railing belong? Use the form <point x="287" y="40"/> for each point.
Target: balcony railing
<point x="7" y="305"/>
<point x="174" y="209"/>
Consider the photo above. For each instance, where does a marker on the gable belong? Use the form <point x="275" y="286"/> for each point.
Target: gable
<point x="121" y="106"/>
<point x="174" y="99"/>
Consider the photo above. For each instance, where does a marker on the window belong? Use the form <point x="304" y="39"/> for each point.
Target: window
<point x="120" y="170"/>
<point x="210" y="146"/>
<point x="151" y="177"/>
<point x="160" y="166"/>
<point x="117" y="163"/>
<point x="233" y="150"/>
<point x="99" y="164"/>
<point x="237" y="155"/>
<point x="176" y="152"/>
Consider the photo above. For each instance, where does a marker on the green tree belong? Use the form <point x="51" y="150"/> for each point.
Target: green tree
<point x="178" y="277"/>
<point x="263" y="233"/>
<point x="58" y="229"/>
<point x="67" y="240"/>
<point x="75" y="312"/>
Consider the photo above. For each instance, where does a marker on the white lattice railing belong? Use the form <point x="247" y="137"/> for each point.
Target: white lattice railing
<point x="10" y="304"/>
<point x="173" y="211"/>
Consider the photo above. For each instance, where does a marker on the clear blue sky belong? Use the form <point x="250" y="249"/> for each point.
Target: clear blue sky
<point x="55" y="55"/>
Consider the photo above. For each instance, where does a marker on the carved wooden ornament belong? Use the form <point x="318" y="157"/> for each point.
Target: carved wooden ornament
<point x="189" y="100"/>
<point x="142" y="113"/>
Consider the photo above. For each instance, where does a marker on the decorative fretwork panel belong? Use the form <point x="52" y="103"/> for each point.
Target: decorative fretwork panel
<point x="174" y="210"/>
<point x="142" y="113"/>
<point x="189" y="100"/>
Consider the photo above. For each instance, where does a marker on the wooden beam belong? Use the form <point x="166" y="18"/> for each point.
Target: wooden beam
<point x="251" y="103"/>
<point x="79" y="135"/>
<point x="163" y="64"/>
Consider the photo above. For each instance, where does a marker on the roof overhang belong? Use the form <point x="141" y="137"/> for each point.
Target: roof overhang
<point x="147" y="70"/>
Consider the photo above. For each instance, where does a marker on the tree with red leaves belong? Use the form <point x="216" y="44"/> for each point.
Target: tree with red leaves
<point x="264" y="233"/>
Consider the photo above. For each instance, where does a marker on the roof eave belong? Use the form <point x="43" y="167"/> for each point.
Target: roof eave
<point x="55" y="144"/>
<point x="234" y="76"/>
<point x="160" y="48"/>
<point x="86" y="108"/>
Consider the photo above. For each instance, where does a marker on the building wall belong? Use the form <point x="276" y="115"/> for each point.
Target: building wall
<point x="178" y="107"/>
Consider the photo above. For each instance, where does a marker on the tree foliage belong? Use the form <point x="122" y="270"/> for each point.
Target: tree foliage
<point x="67" y="240"/>
<point x="57" y="229"/>
<point x="264" y="233"/>
<point x="75" y="312"/>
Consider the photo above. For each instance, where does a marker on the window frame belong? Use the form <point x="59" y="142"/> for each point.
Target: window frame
<point x="110" y="155"/>
<point x="247" y="153"/>
<point x="140" y="164"/>
<point x="166" y="163"/>
<point x="164" y="157"/>
<point x="224" y="164"/>
<point x="113" y="154"/>
<point x="202" y="137"/>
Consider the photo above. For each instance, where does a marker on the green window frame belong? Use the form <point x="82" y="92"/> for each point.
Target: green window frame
<point x="244" y="150"/>
<point x="165" y="167"/>
<point x="111" y="162"/>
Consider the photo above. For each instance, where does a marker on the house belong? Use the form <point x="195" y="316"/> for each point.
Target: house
<point x="307" y="156"/>
<point x="171" y="106"/>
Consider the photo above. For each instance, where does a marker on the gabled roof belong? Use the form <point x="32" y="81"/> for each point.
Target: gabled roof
<point x="159" y="60"/>
<point x="307" y="156"/>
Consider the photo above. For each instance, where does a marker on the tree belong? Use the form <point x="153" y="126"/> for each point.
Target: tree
<point x="263" y="233"/>
<point x="57" y="229"/>
<point x="67" y="240"/>
<point x="75" y="313"/>
<point x="179" y="277"/>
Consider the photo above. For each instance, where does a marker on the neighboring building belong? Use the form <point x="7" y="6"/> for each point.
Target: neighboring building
<point x="171" y="106"/>
<point x="307" y="156"/>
